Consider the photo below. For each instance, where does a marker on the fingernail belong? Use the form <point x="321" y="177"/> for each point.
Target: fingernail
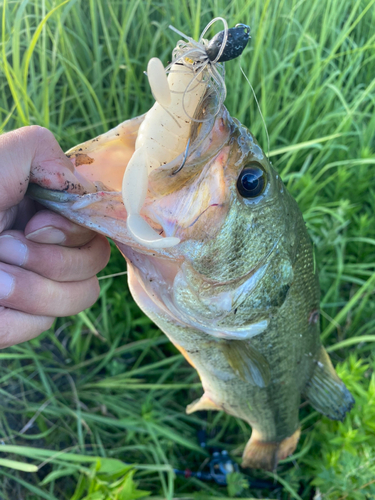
<point x="12" y="251"/>
<point x="6" y="284"/>
<point x="47" y="235"/>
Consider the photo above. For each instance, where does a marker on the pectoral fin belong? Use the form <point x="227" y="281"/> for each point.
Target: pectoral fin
<point x="247" y="362"/>
<point x="326" y="392"/>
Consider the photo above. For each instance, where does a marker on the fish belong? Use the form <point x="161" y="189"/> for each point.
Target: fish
<point x="235" y="288"/>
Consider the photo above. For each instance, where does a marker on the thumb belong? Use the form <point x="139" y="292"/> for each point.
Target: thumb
<point x="33" y="154"/>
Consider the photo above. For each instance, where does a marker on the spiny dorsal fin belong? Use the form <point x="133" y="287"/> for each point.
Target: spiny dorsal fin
<point x="204" y="403"/>
<point x="326" y="392"/>
<point x="247" y="362"/>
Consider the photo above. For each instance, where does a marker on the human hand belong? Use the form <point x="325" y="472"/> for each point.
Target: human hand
<point x="47" y="263"/>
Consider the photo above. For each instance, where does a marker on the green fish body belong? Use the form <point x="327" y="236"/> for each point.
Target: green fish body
<point x="239" y="295"/>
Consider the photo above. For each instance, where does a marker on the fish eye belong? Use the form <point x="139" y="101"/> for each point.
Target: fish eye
<point x="251" y="181"/>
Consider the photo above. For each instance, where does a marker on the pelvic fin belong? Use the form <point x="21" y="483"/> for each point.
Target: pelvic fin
<point x="204" y="403"/>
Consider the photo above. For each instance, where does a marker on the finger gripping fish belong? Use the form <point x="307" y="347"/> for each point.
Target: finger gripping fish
<point x="237" y="290"/>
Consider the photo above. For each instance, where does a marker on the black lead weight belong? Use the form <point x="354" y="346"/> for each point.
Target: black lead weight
<point x="236" y="42"/>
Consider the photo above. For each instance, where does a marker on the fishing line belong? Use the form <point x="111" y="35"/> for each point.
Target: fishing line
<point x="260" y="111"/>
<point x="112" y="275"/>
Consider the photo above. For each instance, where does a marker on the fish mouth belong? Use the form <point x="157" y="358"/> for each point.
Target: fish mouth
<point x="177" y="198"/>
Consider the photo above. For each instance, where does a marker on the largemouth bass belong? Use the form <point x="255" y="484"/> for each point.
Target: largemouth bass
<point x="237" y="293"/>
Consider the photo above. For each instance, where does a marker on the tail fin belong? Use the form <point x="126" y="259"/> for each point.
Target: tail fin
<point x="265" y="455"/>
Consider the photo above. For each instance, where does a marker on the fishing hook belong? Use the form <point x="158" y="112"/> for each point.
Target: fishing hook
<point x="183" y="159"/>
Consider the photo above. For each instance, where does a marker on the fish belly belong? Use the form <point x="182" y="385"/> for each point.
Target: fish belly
<point x="271" y="411"/>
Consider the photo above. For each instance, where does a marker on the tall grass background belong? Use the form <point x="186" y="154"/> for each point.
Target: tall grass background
<point x="94" y="408"/>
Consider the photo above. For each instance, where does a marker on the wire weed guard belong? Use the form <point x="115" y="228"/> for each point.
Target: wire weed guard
<point x="217" y="467"/>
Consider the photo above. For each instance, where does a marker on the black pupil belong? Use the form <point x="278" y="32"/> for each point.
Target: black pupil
<point x="251" y="182"/>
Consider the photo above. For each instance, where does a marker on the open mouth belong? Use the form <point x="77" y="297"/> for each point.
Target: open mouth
<point x="177" y="193"/>
<point x="182" y="132"/>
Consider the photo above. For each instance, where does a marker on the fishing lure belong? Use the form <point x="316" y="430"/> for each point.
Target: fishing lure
<point x="195" y="73"/>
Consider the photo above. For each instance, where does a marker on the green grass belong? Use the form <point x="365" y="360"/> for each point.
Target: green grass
<point x="107" y="383"/>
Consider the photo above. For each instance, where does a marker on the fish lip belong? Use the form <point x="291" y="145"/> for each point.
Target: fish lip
<point x="40" y="194"/>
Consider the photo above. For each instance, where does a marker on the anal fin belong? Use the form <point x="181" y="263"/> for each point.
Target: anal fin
<point x="204" y="403"/>
<point x="249" y="364"/>
<point x="326" y="392"/>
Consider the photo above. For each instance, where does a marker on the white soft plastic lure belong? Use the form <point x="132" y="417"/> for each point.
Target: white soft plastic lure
<point x="196" y="69"/>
